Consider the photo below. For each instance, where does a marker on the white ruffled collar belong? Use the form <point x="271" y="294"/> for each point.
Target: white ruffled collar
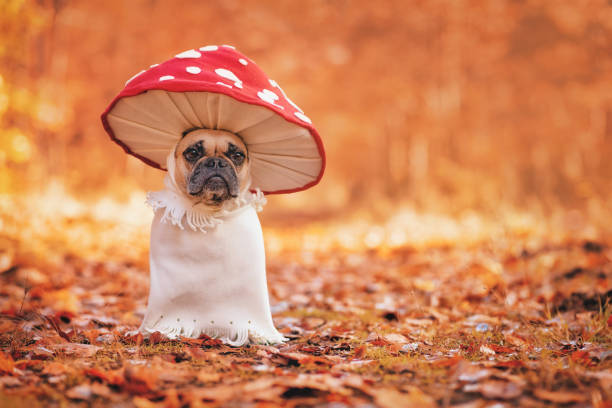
<point x="181" y="212"/>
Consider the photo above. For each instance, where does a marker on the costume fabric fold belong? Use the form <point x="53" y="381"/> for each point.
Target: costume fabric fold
<point x="208" y="269"/>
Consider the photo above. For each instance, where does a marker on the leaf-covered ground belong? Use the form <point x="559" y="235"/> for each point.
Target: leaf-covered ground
<point x="498" y="323"/>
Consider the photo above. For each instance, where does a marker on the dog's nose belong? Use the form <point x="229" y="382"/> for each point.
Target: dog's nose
<point x="215" y="162"/>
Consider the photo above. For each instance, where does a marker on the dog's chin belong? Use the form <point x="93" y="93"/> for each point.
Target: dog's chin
<point x="215" y="192"/>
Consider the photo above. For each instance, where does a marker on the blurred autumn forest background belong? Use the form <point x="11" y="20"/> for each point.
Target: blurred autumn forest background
<point x="457" y="252"/>
<point x="463" y="108"/>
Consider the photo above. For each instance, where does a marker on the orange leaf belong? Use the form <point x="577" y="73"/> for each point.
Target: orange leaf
<point x="137" y="338"/>
<point x="95" y="373"/>
<point x="157" y="337"/>
<point x="510" y="364"/>
<point x="138" y="380"/>
<point x="360" y="352"/>
<point x="109" y="377"/>
<point x="379" y="342"/>
<point x="500" y="349"/>
<point x="561" y="397"/>
<point x="6" y="364"/>
<point x="447" y="362"/>
<point x="302" y="359"/>
<point x="394" y="348"/>
<point x="581" y="357"/>
<point x="23" y="364"/>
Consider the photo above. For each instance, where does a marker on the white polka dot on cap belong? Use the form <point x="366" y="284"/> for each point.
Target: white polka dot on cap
<point x="269" y="96"/>
<point x="189" y="54"/>
<point x="277" y="86"/>
<point x="227" y="74"/>
<point x="166" y="78"/>
<point x="302" y="117"/>
<point x="193" y="70"/>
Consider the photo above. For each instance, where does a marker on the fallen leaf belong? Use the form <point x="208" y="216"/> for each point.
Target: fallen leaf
<point x="360" y="351"/>
<point x="139" y="380"/>
<point x="560" y="397"/>
<point x="447" y="362"/>
<point x="500" y="389"/>
<point x="395" y="338"/>
<point x="500" y="349"/>
<point x="391" y="398"/>
<point x="208" y="377"/>
<point x="80" y="392"/>
<point x="140" y="402"/>
<point x="6" y="364"/>
<point x="77" y="350"/>
<point x="102" y="390"/>
<point x="219" y="394"/>
<point x="303" y="359"/>
<point x="470" y="372"/>
<point x="9" y="382"/>
<point x="55" y="368"/>
<point x="157" y="338"/>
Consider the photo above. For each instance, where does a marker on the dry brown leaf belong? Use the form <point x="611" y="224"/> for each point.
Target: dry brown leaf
<point x="9" y="382"/>
<point x="560" y="397"/>
<point x="500" y="389"/>
<point x="219" y="394"/>
<point x="80" y="392"/>
<point x="395" y="338"/>
<point x="391" y="398"/>
<point x="208" y="377"/>
<point x="55" y="368"/>
<point x="303" y="359"/>
<point x="76" y="350"/>
<point x="141" y="402"/>
<point x="139" y="380"/>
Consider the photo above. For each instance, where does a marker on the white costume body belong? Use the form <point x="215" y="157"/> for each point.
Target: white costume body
<point x="208" y="271"/>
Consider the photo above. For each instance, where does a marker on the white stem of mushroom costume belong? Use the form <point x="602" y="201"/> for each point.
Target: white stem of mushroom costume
<point x="208" y="272"/>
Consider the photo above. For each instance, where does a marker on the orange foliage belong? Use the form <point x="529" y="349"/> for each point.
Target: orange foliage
<point x="446" y="106"/>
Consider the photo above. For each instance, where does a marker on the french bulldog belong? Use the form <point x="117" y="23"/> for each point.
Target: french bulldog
<point x="212" y="166"/>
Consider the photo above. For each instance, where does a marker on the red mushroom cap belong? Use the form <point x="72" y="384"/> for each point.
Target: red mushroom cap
<point x="216" y="87"/>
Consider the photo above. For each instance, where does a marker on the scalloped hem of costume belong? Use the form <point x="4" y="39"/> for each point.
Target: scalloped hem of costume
<point x="231" y="336"/>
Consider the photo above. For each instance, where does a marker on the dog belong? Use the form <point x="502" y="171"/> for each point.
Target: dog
<point x="212" y="166"/>
<point x="207" y="258"/>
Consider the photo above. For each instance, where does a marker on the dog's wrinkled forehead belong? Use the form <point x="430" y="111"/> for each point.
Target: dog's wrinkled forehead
<point x="211" y="142"/>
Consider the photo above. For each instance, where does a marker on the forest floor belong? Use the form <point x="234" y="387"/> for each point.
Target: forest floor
<point x="501" y="322"/>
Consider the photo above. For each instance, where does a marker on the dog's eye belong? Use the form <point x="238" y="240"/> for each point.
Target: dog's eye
<point x="237" y="157"/>
<point x="191" y="154"/>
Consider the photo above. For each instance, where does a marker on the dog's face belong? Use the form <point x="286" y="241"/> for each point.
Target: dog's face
<point x="212" y="166"/>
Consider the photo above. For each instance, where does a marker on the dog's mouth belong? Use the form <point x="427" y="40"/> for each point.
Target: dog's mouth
<point x="213" y="184"/>
<point x="216" y="189"/>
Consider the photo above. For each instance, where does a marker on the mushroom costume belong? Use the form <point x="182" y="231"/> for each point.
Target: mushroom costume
<point x="208" y="268"/>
